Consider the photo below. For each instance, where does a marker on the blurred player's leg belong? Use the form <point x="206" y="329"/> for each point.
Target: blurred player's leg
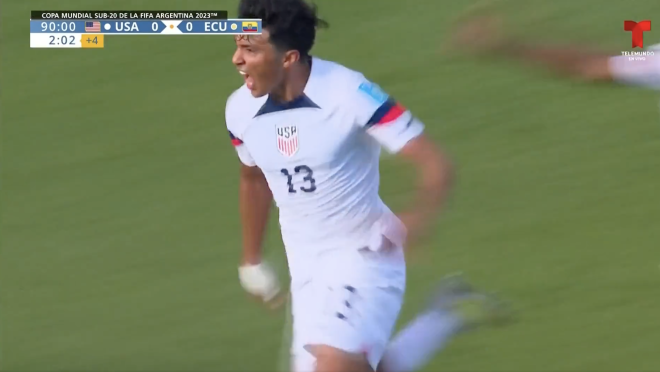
<point x="415" y="345"/>
<point x="456" y="308"/>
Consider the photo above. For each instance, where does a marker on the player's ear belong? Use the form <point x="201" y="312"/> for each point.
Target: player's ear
<point x="291" y="57"/>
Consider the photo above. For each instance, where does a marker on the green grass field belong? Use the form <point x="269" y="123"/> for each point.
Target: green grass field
<point x="119" y="210"/>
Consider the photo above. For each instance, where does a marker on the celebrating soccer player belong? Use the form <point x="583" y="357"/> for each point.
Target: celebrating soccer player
<point x="309" y="133"/>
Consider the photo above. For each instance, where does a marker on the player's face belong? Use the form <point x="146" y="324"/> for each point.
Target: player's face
<point x="259" y="63"/>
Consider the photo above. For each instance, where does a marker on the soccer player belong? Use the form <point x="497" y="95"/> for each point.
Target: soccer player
<point x="482" y="35"/>
<point x="308" y="133"/>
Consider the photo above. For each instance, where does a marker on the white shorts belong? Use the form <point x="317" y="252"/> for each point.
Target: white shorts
<point x="354" y="310"/>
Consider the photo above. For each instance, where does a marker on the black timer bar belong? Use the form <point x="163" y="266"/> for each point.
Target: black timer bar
<point x="128" y="14"/>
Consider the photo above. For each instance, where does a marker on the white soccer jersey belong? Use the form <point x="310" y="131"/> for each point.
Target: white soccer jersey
<point x="637" y="71"/>
<point x="320" y="156"/>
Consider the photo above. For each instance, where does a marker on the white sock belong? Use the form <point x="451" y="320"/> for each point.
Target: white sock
<point x="419" y="341"/>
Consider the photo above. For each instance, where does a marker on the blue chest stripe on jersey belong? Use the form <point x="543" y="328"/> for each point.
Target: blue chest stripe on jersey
<point x="271" y="106"/>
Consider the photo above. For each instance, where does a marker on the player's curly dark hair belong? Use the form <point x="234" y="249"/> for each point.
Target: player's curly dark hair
<point x="292" y="24"/>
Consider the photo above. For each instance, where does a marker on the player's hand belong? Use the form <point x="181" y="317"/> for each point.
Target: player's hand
<point x="260" y="280"/>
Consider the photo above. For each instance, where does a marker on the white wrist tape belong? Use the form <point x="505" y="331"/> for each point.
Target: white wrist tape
<point x="259" y="280"/>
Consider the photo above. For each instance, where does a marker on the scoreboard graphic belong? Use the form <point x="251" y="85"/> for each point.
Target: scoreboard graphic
<point x="88" y="29"/>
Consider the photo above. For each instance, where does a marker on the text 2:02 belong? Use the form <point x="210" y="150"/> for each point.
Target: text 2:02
<point x="64" y="40"/>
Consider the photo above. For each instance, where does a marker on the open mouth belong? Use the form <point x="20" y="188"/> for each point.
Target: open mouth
<point x="249" y="81"/>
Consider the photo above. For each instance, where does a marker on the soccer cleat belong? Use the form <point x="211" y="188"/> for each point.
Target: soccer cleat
<point x="457" y="296"/>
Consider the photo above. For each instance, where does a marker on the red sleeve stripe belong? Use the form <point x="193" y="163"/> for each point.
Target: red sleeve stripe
<point x="386" y="113"/>
<point x="234" y="141"/>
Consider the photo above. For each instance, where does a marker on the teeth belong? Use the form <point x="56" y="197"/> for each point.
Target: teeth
<point x="242" y="72"/>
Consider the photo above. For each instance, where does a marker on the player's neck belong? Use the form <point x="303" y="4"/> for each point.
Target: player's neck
<point x="294" y="83"/>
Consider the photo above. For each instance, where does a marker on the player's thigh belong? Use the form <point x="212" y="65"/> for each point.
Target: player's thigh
<point x="355" y="319"/>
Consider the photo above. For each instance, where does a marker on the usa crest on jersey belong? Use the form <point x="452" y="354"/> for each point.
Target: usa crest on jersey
<point x="287" y="139"/>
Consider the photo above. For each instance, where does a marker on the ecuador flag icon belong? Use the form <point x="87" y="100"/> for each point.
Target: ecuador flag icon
<point x="249" y="26"/>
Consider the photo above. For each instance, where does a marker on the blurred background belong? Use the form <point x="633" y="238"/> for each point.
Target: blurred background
<point x="119" y="210"/>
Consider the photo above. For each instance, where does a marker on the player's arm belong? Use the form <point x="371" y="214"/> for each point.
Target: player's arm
<point x="587" y="66"/>
<point x="399" y="132"/>
<point x="255" y="200"/>
<point x="482" y="35"/>
<point x="434" y="180"/>
<point x="565" y="60"/>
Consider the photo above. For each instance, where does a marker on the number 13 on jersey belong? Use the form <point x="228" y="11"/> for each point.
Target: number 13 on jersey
<point x="309" y="183"/>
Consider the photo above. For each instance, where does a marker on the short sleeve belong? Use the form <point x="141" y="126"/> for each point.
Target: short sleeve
<point x="241" y="150"/>
<point x="236" y="141"/>
<point x="636" y="70"/>
<point x="383" y="118"/>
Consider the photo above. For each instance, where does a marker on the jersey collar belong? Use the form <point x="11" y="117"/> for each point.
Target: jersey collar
<point x="303" y="101"/>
